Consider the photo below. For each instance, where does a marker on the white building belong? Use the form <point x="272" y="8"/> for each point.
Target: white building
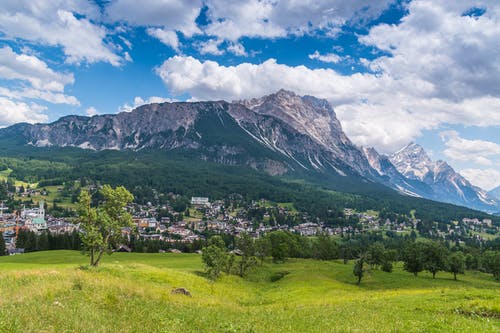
<point x="35" y="218"/>
<point x="200" y="201"/>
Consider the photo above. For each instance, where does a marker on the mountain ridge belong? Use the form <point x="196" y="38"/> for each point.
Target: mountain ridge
<point x="279" y="133"/>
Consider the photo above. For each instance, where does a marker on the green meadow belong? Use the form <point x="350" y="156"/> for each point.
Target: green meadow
<point x="131" y="292"/>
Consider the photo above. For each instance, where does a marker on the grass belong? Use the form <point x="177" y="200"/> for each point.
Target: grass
<point x="54" y="195"/>
<point x="5" y="175"/>
<point x="46" y="292"/>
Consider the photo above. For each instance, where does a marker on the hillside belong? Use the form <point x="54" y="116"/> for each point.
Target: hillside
<point x="280" y="134"/>
<point x="131" y="292"/>
<point x="179" y="172"/>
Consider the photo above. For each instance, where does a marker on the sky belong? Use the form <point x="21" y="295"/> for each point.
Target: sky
<point x="395" y="71"/>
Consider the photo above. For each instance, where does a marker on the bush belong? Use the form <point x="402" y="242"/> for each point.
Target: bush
<point x="279" y="275"/>
<point x="387" y="266"/>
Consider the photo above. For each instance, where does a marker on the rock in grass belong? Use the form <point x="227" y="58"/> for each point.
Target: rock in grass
<point x="182" y="291"/>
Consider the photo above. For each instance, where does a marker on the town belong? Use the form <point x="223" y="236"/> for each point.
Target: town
<point x="199" y="218"/>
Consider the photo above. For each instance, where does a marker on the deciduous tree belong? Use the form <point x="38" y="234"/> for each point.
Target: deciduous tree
<point x="101" y="226"/>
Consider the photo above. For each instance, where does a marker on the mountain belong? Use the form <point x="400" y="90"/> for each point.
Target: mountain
<point x="278" y="133"/>
<point x="396" y="180"/>
<point x="495" y="193"/>
<point x="439" y="181"/>
<point x="281" y="133"/>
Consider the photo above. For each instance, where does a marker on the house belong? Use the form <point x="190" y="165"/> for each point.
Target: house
<point x="14" y="251"/>
<point x="200" y="201"/>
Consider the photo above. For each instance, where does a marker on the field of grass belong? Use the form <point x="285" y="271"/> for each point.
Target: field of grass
<point x="5" y="175"/>
<point x="53" y="195"/>
<point x="129" y="292"/>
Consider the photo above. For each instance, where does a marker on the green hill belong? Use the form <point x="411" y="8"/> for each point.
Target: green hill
<point x="46" y="292"/>
<point x="178" y="172"/>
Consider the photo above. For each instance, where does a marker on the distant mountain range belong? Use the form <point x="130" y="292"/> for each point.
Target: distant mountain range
<point x="495" y="193"/>
<point x="281" y="133"/>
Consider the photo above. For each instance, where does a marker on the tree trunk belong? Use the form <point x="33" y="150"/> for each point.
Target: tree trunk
<point x="455" y="276"/>
<point x="359" y="279"/>
<point x="92" y="257"/>
<point x="101" y="252"/>
<point x="415" y="273"/>
<point x="433" y="275"/>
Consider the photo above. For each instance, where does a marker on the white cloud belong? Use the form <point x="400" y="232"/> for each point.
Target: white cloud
<point x="487" y="179"/>
<point x="163" y="18"/>
<point x="210" y="46"/>
<point x="91" y="111"/>
<point x="55" y="23"/>
<point x="477" y="151"/>
<point x="173" y="15"/>
<point x="231" y="20"/>
<point x="165" y="36"/>
<point x="34" y="78"/>
<point x="328" y="57"/>
<point x="138" y="101"/>
<point x="16" y="112"/>
<point x="375" y="109"/>
<point x="29" y="68"/>
<point x="453" y="54"/>
<point x="237" y="49"/>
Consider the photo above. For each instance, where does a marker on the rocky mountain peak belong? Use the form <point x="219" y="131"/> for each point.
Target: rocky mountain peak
<point x="308" y="115"/>
<point x="412" y="161"/>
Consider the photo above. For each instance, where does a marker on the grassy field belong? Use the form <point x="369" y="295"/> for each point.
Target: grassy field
<point x="53" y="194"/>
<point x="47" y="292"/>
<point x="5" y="175"/>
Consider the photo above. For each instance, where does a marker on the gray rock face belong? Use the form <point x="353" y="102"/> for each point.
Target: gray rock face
<point x="276" y="133"/>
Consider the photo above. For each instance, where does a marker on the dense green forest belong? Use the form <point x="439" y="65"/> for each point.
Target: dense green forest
<point x="148" y="173"/>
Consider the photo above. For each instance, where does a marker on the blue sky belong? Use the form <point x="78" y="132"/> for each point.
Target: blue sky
<point x="395" y="71"/>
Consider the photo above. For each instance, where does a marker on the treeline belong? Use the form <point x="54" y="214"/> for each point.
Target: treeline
<point x="150" y="173"/>
<point x="31" y="241"/>
<point x="369" y="251"/>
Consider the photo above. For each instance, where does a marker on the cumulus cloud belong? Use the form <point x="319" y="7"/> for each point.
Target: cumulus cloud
<point x="442" y="67"/>
<point x="66" y="24"/>
<point x="210" y="46"/>
<point x="138" y="101"/>
<point x="162" y="18"/>
<point x="455" y="55"/>
<point x="34" y="78"/>
<point x="375" y="109"/>
<point x="487" y="179"/>
<point x="328" y="57"/>
<point x="29" y="68"/>
<point x="169" y="15"/>
<point x="231" y="20"/>
<point x="16" y="112"/>
<point x="167" y="37"/>
<point x="478" y="151"/>
<point x="91" y="111"/>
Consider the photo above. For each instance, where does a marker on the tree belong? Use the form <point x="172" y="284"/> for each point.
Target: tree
<point x="413" y="260"/>
<point x="491" y="263"/>
<point x="375" y="254"/>
<point x="262" y="248"/>
<point x="359" y="270"/>
<point x="387" y="266"/>
<point x="434" y="255"/>
<point x="280" y="248"/>
<point x="215" y="257"/>
<point x="456" y="263"/>
<point x="247" y="247"/>
<point x="325" y="248"/>
<point x="347" y="250"/>
<point x="101" y="226"/>
<point x="2" y="245"/>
